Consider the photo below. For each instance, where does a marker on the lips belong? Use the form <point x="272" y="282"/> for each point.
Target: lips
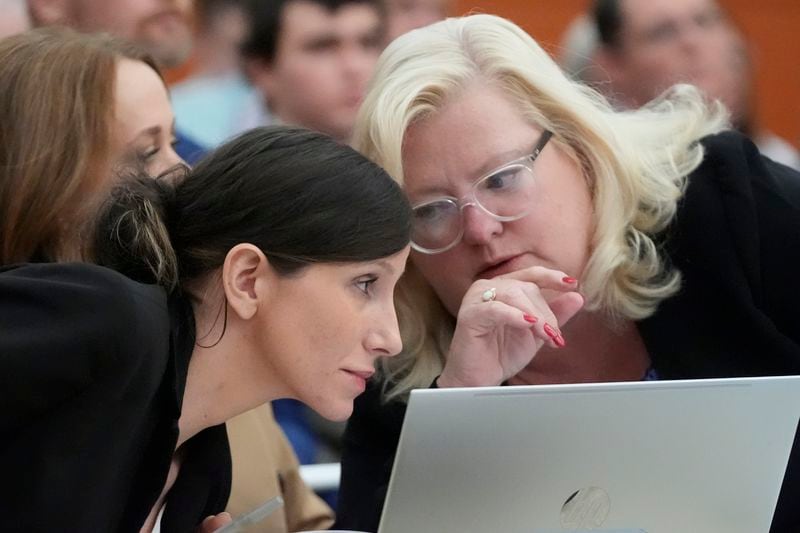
<point x="359" y="377"/>
<point x="363" y="374"/>
<point x="503" y="266"/>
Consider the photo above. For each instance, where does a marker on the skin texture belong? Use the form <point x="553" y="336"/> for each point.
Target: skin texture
<point x="406" y="15"/>
<point x="528" y="262"/>
<point x="323" y="62"/>
<point x="664" y="42"/>
<point x="473" y="134"/>
<point x="13" y="17"/>
<point x="313" y="336"/>
<point x="144" y="125"/>
<point x="162" y="27"/>
<point x="325" y="328"/>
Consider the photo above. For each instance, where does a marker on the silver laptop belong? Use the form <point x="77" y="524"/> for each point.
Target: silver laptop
<point x="658" y="457"/>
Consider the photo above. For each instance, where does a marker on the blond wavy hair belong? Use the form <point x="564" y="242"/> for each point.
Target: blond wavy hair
<point x="635" y="163"/>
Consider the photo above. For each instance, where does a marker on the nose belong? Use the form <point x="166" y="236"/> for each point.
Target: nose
<point x="358" y="63"/>
<point x="170" y="160"/>
<point x="693" y="37"/>
<point x="479" y="226"/>
<point x="384" y="340"/>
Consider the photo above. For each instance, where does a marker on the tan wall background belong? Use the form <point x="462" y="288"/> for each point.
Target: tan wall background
<point x="772" y="26"/>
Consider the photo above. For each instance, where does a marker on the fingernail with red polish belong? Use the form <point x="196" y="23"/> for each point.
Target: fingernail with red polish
<point x="559" y="340"/>
<point x="530" y="318"/>
<point x="550" y="331"/>
<point x="569" y="280"/>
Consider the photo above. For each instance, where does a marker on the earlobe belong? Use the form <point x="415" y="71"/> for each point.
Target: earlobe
<point x="244" y="279"/>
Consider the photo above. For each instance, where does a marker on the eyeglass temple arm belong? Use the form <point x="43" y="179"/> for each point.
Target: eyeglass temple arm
<point x="546" y="134"/>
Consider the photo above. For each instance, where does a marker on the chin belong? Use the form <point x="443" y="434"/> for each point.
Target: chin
<point x="335" y="410"/>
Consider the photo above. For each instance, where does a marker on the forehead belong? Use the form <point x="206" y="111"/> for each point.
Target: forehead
<point x="140" y="95"/>
<point x="409" y="5"/>
<point x="637" y="14"/>
<point x="122" y="9"/>
<point x="475" y="132"/>
<point x="304" y="19"/>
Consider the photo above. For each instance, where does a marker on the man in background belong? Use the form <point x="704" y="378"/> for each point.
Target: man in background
<point x="216" y="102"/>
<point x="161" y="27"/>
<point x="405" y="15"/>
<point x="646" y="46"/>
<point x="311" y="60"/>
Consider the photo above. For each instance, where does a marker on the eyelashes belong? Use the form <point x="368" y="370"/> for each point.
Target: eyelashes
<point x="365" y="284"/>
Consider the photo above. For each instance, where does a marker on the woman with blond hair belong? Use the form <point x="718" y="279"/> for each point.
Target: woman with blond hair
<point x="558" y="241"/>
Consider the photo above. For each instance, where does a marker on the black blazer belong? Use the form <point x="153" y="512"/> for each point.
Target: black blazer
<point x="736" y="241"/>
<point x="93" y="368"/>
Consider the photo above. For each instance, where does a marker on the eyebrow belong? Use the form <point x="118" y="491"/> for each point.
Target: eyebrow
<point x="385" y="264"/>
<point x="325" y="39"/>
<point x="493" y="162"/>
<point x="154" y="131"/>
<point x="151" y="131"/>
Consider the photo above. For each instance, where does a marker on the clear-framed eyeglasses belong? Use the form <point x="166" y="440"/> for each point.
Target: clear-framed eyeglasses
<point x="506" y="194"/>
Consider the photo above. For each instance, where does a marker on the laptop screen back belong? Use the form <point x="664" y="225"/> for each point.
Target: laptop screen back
<point x="658" y="457"/>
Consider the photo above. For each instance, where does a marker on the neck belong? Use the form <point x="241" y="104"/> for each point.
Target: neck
<point x="596" y="351"/>
<point x="224" y="380"/>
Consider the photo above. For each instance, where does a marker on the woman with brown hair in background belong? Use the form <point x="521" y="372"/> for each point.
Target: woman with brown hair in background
<point x="72" y="107"/>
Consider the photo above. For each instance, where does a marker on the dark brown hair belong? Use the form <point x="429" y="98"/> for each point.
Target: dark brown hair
<point x="266" y="23"/>
<point x="298" y="195"/>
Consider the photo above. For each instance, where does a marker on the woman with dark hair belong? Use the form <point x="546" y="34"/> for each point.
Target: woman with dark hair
<point x="268" y="273"/>
<point x="74" y="110"/>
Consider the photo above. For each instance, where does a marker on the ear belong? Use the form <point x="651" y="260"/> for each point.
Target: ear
<point x="245" y="279"/>
<point x="615" y="74"/>
<point x="48" y="12"/>
<point x="262" y="75"/>
<point x="610" y="62"/>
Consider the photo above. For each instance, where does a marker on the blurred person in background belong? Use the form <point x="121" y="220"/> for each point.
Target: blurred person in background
<point x="160" y="27"/>
<point x="216" y="101"/>
<point x="646" y="46"/>
<point x="406" y="15"/>
<point x="577" y="53"/>
<point x="311" y="59"/>
<point x="13" y="17"/>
